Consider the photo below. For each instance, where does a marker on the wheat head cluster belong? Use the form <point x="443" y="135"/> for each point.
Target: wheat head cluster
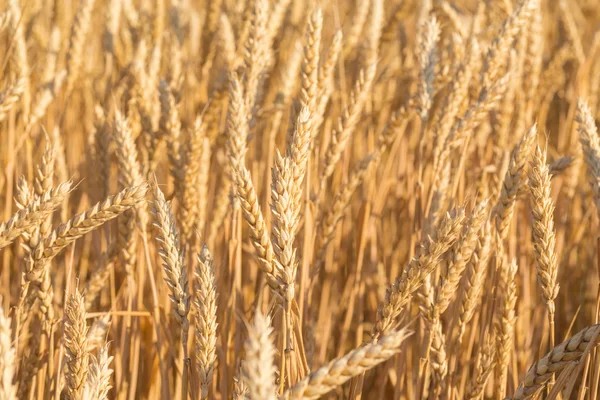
<point x="299" y="199"/>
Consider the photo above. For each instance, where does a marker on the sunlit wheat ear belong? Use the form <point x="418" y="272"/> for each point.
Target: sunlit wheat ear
<point x="555" y="361"/>
<point x="588" y="137"/>
<point x="8" y="361"/>
<point x="504" y="327"/>
<point x="99" y="376"/>
<point x="33" y="215"/>
<point x="484" y="367"/>
<point x="206" y="325"/>
<point x="258" y="369"/>
<point x="173" y="260"/>
<point x="513" y="180"/>
<point x="543" y="229"/>
<point x="340" y="370"/>
<point x="75" y="343"/>
<point x="400" y="292"/>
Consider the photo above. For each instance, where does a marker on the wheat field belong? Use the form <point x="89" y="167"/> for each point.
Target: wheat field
<point x="297" y="199"/>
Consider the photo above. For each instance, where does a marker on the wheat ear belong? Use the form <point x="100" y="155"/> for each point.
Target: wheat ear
<point x="417" y="270"/>
<point x="173" y="261"/>
<point x="556" y="360"/>
<point x="206" y="319"/>
<point x="32" y="215"/>
<point x="588" y="136"/>
<point x="75" y="343"/>
<point x="258" y="369"/>
<point x="99" y="376"/>
<point x="8" y="389"/>
<point x="513" y="180"/>
<point x="340" y="370"/>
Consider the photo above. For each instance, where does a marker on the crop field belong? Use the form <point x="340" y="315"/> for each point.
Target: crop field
<point x="299" y="199"/>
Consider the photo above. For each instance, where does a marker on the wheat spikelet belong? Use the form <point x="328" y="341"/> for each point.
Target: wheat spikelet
<point x="170" y="127"/>
<point x="298" y="149"/>
<point x="484" y="369"/>
<point x="505" y="323"/>
<point x="469" y="297"/>
<point x="44" y="98"/>
<point x="543" y="229"/>
<point x="173" y="260"/>
<point x="79" y="32"/>
<point x="285" y="211"/>
<point x="417" y="270"/>
<point x="99" y="376"/>
<point x="513" y="180"/>
<point x="97" y="280"/>
<point x="560" y="165"/>
<point x="438" y="358"/>
<point x="237" y="123"/>
<point x="96" y="335"/>
<point x="206" y="319"/>
<point x="259" y="233"/>
<point x="588" y="136"/>
<point x="427" y="61"/>
<point x="461" y="255"/>
<point x="257" y="53"/>
<point x="8" y="361"/>
<point x="20" y="56"/>
<point x="555" y="361"/>
<point x="258" y="370"/>
<point x="339" y="205"/>
<point x="340" y="370"/>
<point x="75" y="343"/>
<point x="194" y="162"/>
<point x="32" y="215"/>
<point x="325" y="84"/>
<point x="82" y="224"/>
<point x="310" y="61"/>
<point x="9" y="97"/>
<point x="347" y="122"/>
<point x="495" y="58"/>
<point x="358" y="22"/>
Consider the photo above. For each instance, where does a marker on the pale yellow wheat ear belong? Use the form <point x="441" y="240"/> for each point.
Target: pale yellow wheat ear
<point x="417" y="270"/>
<point x="8" y="361"/>
<point x="543" y="232"/>
<point x="556" y="360"/>
<point x="347" y="122"/>
<point x="33" y="214"/>
<point x="340" y="370"/>
<point x="513" y="181"/>
<point x="75" y="344"/>
<point x="310" y="61"/>
<point x="205" y="303"/>
<point x="504" y="328"/>
<point x="173" y="261"/>
<point x="258" y="369"/>
<point x="97" y="333"/>
<point x="99" y="376"/>
<point x="79" y="31"/>
<point x="427" y="62"/>
<point x="484" y="367"/>
<point x="461" y="254"/>
<point x="588" y="137"/>
<point x="84" y="223"/>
